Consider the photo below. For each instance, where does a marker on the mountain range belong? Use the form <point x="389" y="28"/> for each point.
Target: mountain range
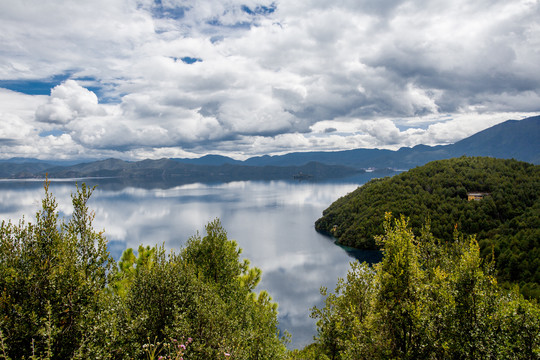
<point x="517" y="139"/>
<point x="511" y="139"/>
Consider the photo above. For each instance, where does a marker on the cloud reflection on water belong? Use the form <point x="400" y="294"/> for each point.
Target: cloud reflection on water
<point x="273" y="222"/>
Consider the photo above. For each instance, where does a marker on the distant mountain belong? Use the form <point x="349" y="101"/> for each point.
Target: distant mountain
<point x="214" y="160"/>
<point x="173" y="171"/>
<point x="21" y="170"/>
<point x="519" y="140"/>
<point x="511" y="139"/>
<point x="359" y="158"/>
<point x="21" y="160"/>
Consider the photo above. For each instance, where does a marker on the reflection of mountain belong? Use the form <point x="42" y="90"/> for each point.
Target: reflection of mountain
<point x="511" y="139"/>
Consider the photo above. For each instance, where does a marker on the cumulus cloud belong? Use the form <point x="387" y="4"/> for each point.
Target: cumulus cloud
<point x="67" y="102"/>
<point x="269" y="75"/>
<point x="16" y="115"/>
<point x="384" y="131"/>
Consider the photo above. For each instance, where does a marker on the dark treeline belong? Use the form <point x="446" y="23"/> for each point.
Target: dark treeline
<point x="506" y="221"/>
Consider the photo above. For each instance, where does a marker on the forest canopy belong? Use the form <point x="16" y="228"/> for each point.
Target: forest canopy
<point x="506" y="220"/>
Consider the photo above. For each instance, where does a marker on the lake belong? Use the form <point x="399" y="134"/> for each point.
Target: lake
<point x="272" y="221"/>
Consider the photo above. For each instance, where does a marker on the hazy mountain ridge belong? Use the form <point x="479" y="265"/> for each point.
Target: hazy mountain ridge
<point x="510" y="139"/>
<point x="168" y="169"/>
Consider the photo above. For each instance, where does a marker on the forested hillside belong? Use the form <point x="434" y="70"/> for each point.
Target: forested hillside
<point x="506" y="220"/>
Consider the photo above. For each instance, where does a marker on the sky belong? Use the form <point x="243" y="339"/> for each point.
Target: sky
<point x="137" y="79"/>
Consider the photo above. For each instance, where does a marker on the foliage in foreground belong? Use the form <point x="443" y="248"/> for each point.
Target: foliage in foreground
<point x="63" y="297"/>
<point x="425" y="300"/>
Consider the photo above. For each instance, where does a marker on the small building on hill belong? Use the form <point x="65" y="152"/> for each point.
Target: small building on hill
<point x="476" y="195"/>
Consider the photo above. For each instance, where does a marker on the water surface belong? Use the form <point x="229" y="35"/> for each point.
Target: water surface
<point x="273" y="222"/>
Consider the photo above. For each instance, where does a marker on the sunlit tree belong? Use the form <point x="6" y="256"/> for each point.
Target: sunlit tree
<point x="52" y="277"/>
<point x="427" y="299"/>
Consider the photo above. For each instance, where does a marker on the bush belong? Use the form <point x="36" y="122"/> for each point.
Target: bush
<point x="426" y="300"/>
<point x="62" y="296"/>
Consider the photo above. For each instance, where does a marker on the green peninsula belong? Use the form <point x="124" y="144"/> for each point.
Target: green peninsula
<point x="505" y="217"/>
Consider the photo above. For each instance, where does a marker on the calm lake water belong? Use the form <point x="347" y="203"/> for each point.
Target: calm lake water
<point x="273" y="222"/>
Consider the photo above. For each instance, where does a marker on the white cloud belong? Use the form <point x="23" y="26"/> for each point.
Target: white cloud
<point x="273" y="73"/>
<point x="16" y="115"/>
<point x="384" y="131"/>
<point x="67" y="102"/>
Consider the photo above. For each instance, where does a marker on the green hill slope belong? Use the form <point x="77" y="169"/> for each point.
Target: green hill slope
<point x="507" y="221"/>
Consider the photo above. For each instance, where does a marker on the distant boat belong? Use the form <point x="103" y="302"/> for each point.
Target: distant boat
<point x="302" y="176"/>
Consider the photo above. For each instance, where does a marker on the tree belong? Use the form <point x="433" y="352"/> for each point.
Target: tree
<point x="398" y="301"/>
<point x="342" y="321"/>
<point x="206" y="293"/>
<point x="426" y="299"/>
<point x="52" y="275"/>
<point x="130" y="265"/>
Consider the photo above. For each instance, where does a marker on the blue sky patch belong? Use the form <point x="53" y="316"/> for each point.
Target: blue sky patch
<point x="247" y="10"/>
<point x="190" y="60"/>
<point x="161" y="12"/>
<point x="44" y="86"/>
<point x="35" y="86"/>
<point x="239" y="25"/>
<point x="259" y="10"/>
<point x="217" y="38"/>
<point x="51" y="132"/>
